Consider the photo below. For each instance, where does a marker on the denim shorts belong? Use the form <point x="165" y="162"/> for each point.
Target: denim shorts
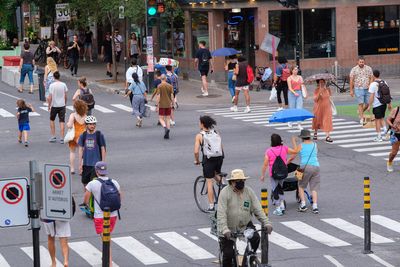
<point x="27" y="69"/>
<point x="362" y="95"/>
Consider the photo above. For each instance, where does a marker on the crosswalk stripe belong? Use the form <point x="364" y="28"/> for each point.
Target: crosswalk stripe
<point x="356" y="230"/>
<point x="343" y="132"/>
<point x="367" y="144"/>
<point x="228" y="108"/>
<point x="353" y="135"/>
<point x="285" y="242"/>
<point x="257" y="117"/>
<point x="237" y="113"/>
<point x="45" y="108"/>
<point x="45" y="259"/>
<point x="207" y="232"/>
<point x="240" y="245"/>
<point x="34" y="114"/>
<point x="5" y="114"/>
<point x="103" y="109"/>
<point x="333" y="261"/>
<point x="88" y="252"/>
<point x="384" y="263"/>
<point x="3" y="262"/>
<point x="249" y="115"/>
<point x="315" y="234"/>
<point x="373" y="149"/>
<point x="138" y="250"/>
<point x="184" y="245"/>
<point x="285" y="124"/>
<point x="334" y="125"/>
<point x="355" y="140"/>
<point x="386" y="222"/>
<point x="70" y="108"/>
<point x="123" y="107"/>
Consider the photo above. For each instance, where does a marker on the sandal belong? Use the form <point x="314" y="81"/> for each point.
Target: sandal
<point x="315" y="136"/>
<point x="20" y="91"/>
<point x="328" y="139"/>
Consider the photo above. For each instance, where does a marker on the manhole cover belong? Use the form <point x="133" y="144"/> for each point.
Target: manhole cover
<point x="209" y="96"/>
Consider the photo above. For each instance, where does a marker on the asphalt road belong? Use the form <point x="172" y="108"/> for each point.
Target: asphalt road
<point x="160" y="223"/>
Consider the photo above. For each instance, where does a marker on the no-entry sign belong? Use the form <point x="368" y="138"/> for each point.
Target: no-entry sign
<point x="14" y="202"/>
<point x="57" y="198"/>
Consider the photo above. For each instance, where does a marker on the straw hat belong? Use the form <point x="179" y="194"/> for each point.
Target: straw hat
<point x="237" y="174"/>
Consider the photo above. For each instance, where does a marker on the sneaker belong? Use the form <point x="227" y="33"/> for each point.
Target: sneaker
<point x="279" y="109"/>
<point x="247" y="109"/>
<point x="166" y="135"/>
<point x="361" y="122"/>
<point x="278" y="212"/>
<point x="290" y="124"/>
<point x="234" y="109"/>
<point x="45" y="104"/>
<point x="202" y="90"/>
<point x="210" y="209"/>
<point x="315" y="210"/>
<point x="72" y="74"/>
<point x="62" y="141"/>
<point x="205" y="94"/>
<point x="91" y="60"/>
<point x="302" y="208"/>
<point x="52" y="139"/>
<point x="378" y="139"/>
<point x="172" y="122"/>
<point x="389" y="166"/>
<point x="299" y="127"/>
<point x="26" y="144"/>
<point x="20" y="141"/>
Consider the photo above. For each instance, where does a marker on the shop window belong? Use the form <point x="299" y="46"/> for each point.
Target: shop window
<point x="378" y="30"/>
<point x="283" y="25"/>
<point x="172" y="39"/>
<point x="199" y="30"/>
<point x="319" y="33"/>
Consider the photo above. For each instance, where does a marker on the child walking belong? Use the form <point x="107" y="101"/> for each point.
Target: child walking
<point x="23" y="120"/>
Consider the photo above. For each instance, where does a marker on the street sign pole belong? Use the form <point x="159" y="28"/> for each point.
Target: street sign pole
<point x="34" y="212"/>
<point x="298" y="34"/>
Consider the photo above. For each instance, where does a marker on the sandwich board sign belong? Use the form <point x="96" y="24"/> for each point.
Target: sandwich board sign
<point x="14" y="202"/>
<point x="57" y="197"/>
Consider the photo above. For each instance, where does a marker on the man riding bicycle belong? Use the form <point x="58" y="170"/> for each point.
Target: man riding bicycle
<point x="210" y="143"/>
<point x="236" y="205"/>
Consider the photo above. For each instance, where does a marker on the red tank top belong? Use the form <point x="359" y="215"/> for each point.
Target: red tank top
<point x="296" y="85"/>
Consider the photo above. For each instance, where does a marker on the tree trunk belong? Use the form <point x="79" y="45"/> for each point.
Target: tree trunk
<point x="114" y="65"/>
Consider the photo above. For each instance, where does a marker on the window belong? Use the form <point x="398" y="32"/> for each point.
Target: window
<point x="319" y="33"/>
<point x="172" y="39"/>
<point x="199" y="30"/>
<point x="283" y="25"/>
<point x="378" y="30"/>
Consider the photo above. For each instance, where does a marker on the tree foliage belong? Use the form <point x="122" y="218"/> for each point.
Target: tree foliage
<point x="7" y="15"/>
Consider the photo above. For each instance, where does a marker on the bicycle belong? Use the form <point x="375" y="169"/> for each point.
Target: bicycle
<point x="250" y="258"/>
<point x="201" y="193"/>
<point x="40" y="53"/>
<point x="63" y="58"/>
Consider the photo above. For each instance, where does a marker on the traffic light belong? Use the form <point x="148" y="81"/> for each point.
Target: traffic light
<point x="289" y="3"/>
<point x="152" y="8"/>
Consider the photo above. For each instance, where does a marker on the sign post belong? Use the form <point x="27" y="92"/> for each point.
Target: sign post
<point x="57" y="198"/>
<point x="14" y="202"/>
<point x="34" y="208"/>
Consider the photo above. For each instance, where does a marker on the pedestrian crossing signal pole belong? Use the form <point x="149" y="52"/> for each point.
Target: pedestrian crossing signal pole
<point x="106" y="238"/>
<point x="264" y="234"/>
<point x="367" y="217"/>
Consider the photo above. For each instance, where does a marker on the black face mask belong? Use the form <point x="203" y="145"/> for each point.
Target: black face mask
<point x="239" y="185"/>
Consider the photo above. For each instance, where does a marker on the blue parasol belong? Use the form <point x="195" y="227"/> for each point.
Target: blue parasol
<point x="288" y="115"/>
<point x="224" y="52"/>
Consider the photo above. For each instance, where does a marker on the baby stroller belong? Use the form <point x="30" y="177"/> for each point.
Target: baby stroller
<point x="290" y="184"/>
<point x="265" y="81"/>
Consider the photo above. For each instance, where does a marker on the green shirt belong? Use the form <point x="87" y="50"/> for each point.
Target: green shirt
<point x="235" y="210"/>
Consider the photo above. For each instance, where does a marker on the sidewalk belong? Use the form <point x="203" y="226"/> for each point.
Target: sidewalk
<point x="190" y="93"/>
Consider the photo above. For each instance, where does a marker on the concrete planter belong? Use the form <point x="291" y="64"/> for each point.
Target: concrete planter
<point x="14" y="52"/>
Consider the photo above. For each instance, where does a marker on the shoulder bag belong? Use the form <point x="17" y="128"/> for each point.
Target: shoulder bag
<point x="299" y="173"/>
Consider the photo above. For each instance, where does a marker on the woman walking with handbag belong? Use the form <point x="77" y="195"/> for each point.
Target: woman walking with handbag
<point x="322" y="111"/>
<point x="297" y="91"/>
<point x="138" y="90"/>
<point x="308" y="173"/>
<point x="76" y="123"/>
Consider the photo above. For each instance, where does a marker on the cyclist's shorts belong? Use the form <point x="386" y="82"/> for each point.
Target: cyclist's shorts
<point x="212" y="166"/>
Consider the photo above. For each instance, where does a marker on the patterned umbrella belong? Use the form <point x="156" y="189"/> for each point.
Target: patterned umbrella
<point x="328" y="77"/>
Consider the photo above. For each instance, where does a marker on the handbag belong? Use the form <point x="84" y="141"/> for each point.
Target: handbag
<point x="70" y="135"/>
<point x="234" y="77"/>
<point x="333" y="107"/>
<point x="304" y="91"/>
<point x="299" y="173"/>
<point x="273" y="94"/>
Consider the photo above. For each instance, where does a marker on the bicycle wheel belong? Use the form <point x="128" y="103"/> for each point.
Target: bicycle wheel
<point x="201" y="193"/>
<point x="254" y="261"/>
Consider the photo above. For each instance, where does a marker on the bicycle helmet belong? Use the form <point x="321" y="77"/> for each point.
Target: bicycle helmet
<point x="90" y="119"/>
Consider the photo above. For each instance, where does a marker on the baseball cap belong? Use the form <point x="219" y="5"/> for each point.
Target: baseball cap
<point x="101" y="168"/>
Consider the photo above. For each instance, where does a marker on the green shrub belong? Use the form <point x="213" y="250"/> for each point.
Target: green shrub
<point x="5" y="45"/>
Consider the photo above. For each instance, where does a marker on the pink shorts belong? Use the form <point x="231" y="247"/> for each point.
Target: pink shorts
<point x="98" y="224"/>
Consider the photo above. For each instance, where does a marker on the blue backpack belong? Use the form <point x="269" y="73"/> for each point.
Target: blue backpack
<point x="173" y="80"/>
<point x="109" y="195"/>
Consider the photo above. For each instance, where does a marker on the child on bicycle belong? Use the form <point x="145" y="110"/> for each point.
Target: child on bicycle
<point x="23" y="120"/>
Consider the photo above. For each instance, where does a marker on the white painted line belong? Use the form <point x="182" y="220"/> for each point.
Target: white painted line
<point x="315" y="234"/>
<point x="9" y="95"/>
<point x="248" y="116"/>
<point x="355" y="140"/>
<point x="241" y="112"/>
<point x="356" y="230"/>
<point x="384" y="263"/>
<point x="345" y="131"/>
<point x="138" y="250"/>
<point x="45" y="108"/>
<point x="333" y="261"/>
<point x="3" y="262"/>
<point x="386" y="222"/>
<point x="228" y="108"/>
<point x="284" y="242"/>
<point x="240" y="245"/>
<point x="379" y="154"/>
<point x="103" y="109"/>
<point x="88" y="252"/>
<point x="185" y="246"/>
<point x="373" y="149"/>
<point x="207" y="232"/>
<point x="123" y="107"/>
<point x="334" y="125"/>
<point x="45" y="259"/>
<point x="5" y="114"/>
<point x="70" y="108"/>
<point x="354" y="135"/>
<point x="34" y="114"/>
<point x="371" y="143"/>
<point x="302" y="123"/>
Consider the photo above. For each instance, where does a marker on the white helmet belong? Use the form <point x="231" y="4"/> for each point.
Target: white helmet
<point x="90" y="119"/>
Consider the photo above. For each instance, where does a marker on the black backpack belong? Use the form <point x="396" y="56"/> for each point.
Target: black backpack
<point x="87" y="97"/>
<point x="279" y="168"/>
<point x="384" y="92"/>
